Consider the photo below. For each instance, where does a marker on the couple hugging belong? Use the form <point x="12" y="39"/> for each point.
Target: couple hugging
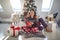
<point x="33" y="23"/>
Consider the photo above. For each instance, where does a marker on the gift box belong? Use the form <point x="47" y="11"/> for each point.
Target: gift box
<point x="13" y="31"/>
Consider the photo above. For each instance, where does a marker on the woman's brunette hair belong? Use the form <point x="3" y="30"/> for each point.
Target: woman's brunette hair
<point x="34" y="13"/>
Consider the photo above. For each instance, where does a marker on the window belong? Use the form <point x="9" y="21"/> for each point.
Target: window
<point x="16" y="6"/>
<point x="46" y="5"/>
<point x="1" y="10"/>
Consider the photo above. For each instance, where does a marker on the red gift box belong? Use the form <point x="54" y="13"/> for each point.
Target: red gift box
<point x="14" y="29"/>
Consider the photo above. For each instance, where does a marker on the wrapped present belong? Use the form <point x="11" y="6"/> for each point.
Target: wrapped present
<point x="13" y="31"/>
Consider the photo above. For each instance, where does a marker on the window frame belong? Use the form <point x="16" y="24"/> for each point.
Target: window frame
<point x="47" y="9"/>
<point x="16" y="9"/>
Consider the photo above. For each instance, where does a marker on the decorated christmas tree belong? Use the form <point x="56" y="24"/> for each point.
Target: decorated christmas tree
<point x="28" y="5"/>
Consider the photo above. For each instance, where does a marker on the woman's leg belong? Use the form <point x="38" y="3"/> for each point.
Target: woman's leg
<point x="43" y="22"/>
<point x="44" y="25"/>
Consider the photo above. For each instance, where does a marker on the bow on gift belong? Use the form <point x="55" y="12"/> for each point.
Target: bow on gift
<point x="15" y="28"/>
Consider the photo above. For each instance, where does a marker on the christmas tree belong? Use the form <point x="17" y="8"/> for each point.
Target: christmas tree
<point x="28" y="5"/>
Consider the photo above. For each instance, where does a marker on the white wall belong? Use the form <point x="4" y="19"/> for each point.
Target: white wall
<point x="56" y="8"/>
<point x="7" y="8"/>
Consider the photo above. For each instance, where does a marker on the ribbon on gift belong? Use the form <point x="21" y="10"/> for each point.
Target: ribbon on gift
<point x="17" y="28"/>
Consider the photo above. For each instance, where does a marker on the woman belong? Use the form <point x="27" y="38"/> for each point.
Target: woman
<point x="34" y="19"/>
<point x="38" y="21"/>
<point x="33" y="23"/>
<point x="29" y="23"/>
